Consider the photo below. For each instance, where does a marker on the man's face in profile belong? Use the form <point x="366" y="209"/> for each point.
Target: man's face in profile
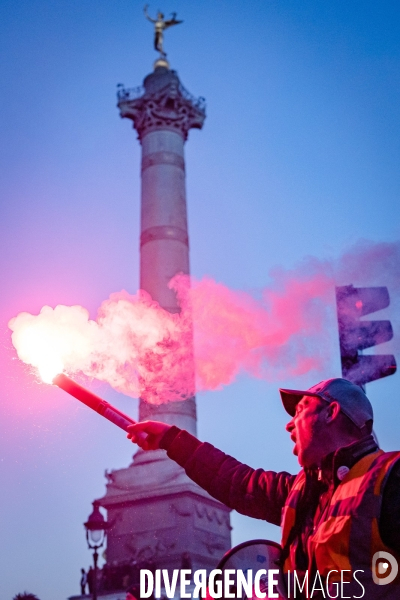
<point x="306" y="429"/>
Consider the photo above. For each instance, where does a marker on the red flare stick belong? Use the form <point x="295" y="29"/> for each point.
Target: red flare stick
<point x="106" y="410"/>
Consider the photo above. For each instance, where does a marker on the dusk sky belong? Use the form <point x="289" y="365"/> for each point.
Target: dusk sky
<point x="299" y="157"/>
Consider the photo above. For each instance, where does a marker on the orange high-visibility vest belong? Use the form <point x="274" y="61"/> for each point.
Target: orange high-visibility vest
<point x="347" y="536"/>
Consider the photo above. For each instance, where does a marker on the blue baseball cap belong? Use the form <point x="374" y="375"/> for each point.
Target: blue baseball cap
<point x="351" y="398"/>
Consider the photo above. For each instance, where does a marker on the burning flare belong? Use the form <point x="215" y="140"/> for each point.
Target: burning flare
<point x="106" y="410"/>
<point x="53" y="340"/>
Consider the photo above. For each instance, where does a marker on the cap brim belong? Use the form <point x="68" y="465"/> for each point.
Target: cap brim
<point x="290" y="399"/>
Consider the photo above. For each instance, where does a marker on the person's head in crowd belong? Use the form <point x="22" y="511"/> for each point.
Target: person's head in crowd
<point x="328" y="416"/>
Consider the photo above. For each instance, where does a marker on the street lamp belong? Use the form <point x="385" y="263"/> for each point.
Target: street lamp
<point x="96" y="527"/>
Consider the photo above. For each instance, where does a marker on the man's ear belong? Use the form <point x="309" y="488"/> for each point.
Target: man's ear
<point x="333" y="411"/>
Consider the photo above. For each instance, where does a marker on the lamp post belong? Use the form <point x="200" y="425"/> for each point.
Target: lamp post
<point x="96" y="527"/>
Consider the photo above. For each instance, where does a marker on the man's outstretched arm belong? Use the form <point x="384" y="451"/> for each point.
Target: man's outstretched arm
<point x="253" y="492"/>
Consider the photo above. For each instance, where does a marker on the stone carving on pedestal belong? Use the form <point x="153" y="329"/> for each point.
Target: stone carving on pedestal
<point x="214" y="546"/>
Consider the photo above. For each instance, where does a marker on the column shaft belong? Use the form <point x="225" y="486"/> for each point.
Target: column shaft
<point x="164" y="246"/>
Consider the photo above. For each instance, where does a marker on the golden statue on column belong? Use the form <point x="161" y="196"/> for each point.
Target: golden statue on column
<point x="160" y="25"/>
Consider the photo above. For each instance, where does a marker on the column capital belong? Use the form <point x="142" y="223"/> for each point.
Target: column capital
<point x="162" y="103"/>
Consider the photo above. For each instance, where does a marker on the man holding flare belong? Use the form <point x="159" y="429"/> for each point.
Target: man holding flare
<point x="340" y="515"/>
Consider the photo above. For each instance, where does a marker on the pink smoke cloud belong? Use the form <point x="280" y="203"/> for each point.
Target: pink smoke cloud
<point x="142" y="350"/>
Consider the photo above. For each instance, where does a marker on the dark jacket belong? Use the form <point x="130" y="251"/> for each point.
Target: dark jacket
<point x="262" y="494"/>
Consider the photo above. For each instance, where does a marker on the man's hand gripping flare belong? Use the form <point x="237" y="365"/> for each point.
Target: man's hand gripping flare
<point x="147" y="434"/>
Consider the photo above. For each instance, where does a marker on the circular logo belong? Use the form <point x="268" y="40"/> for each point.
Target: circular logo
<point x="384" y="568"/>
<point x="342" y="472"/>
